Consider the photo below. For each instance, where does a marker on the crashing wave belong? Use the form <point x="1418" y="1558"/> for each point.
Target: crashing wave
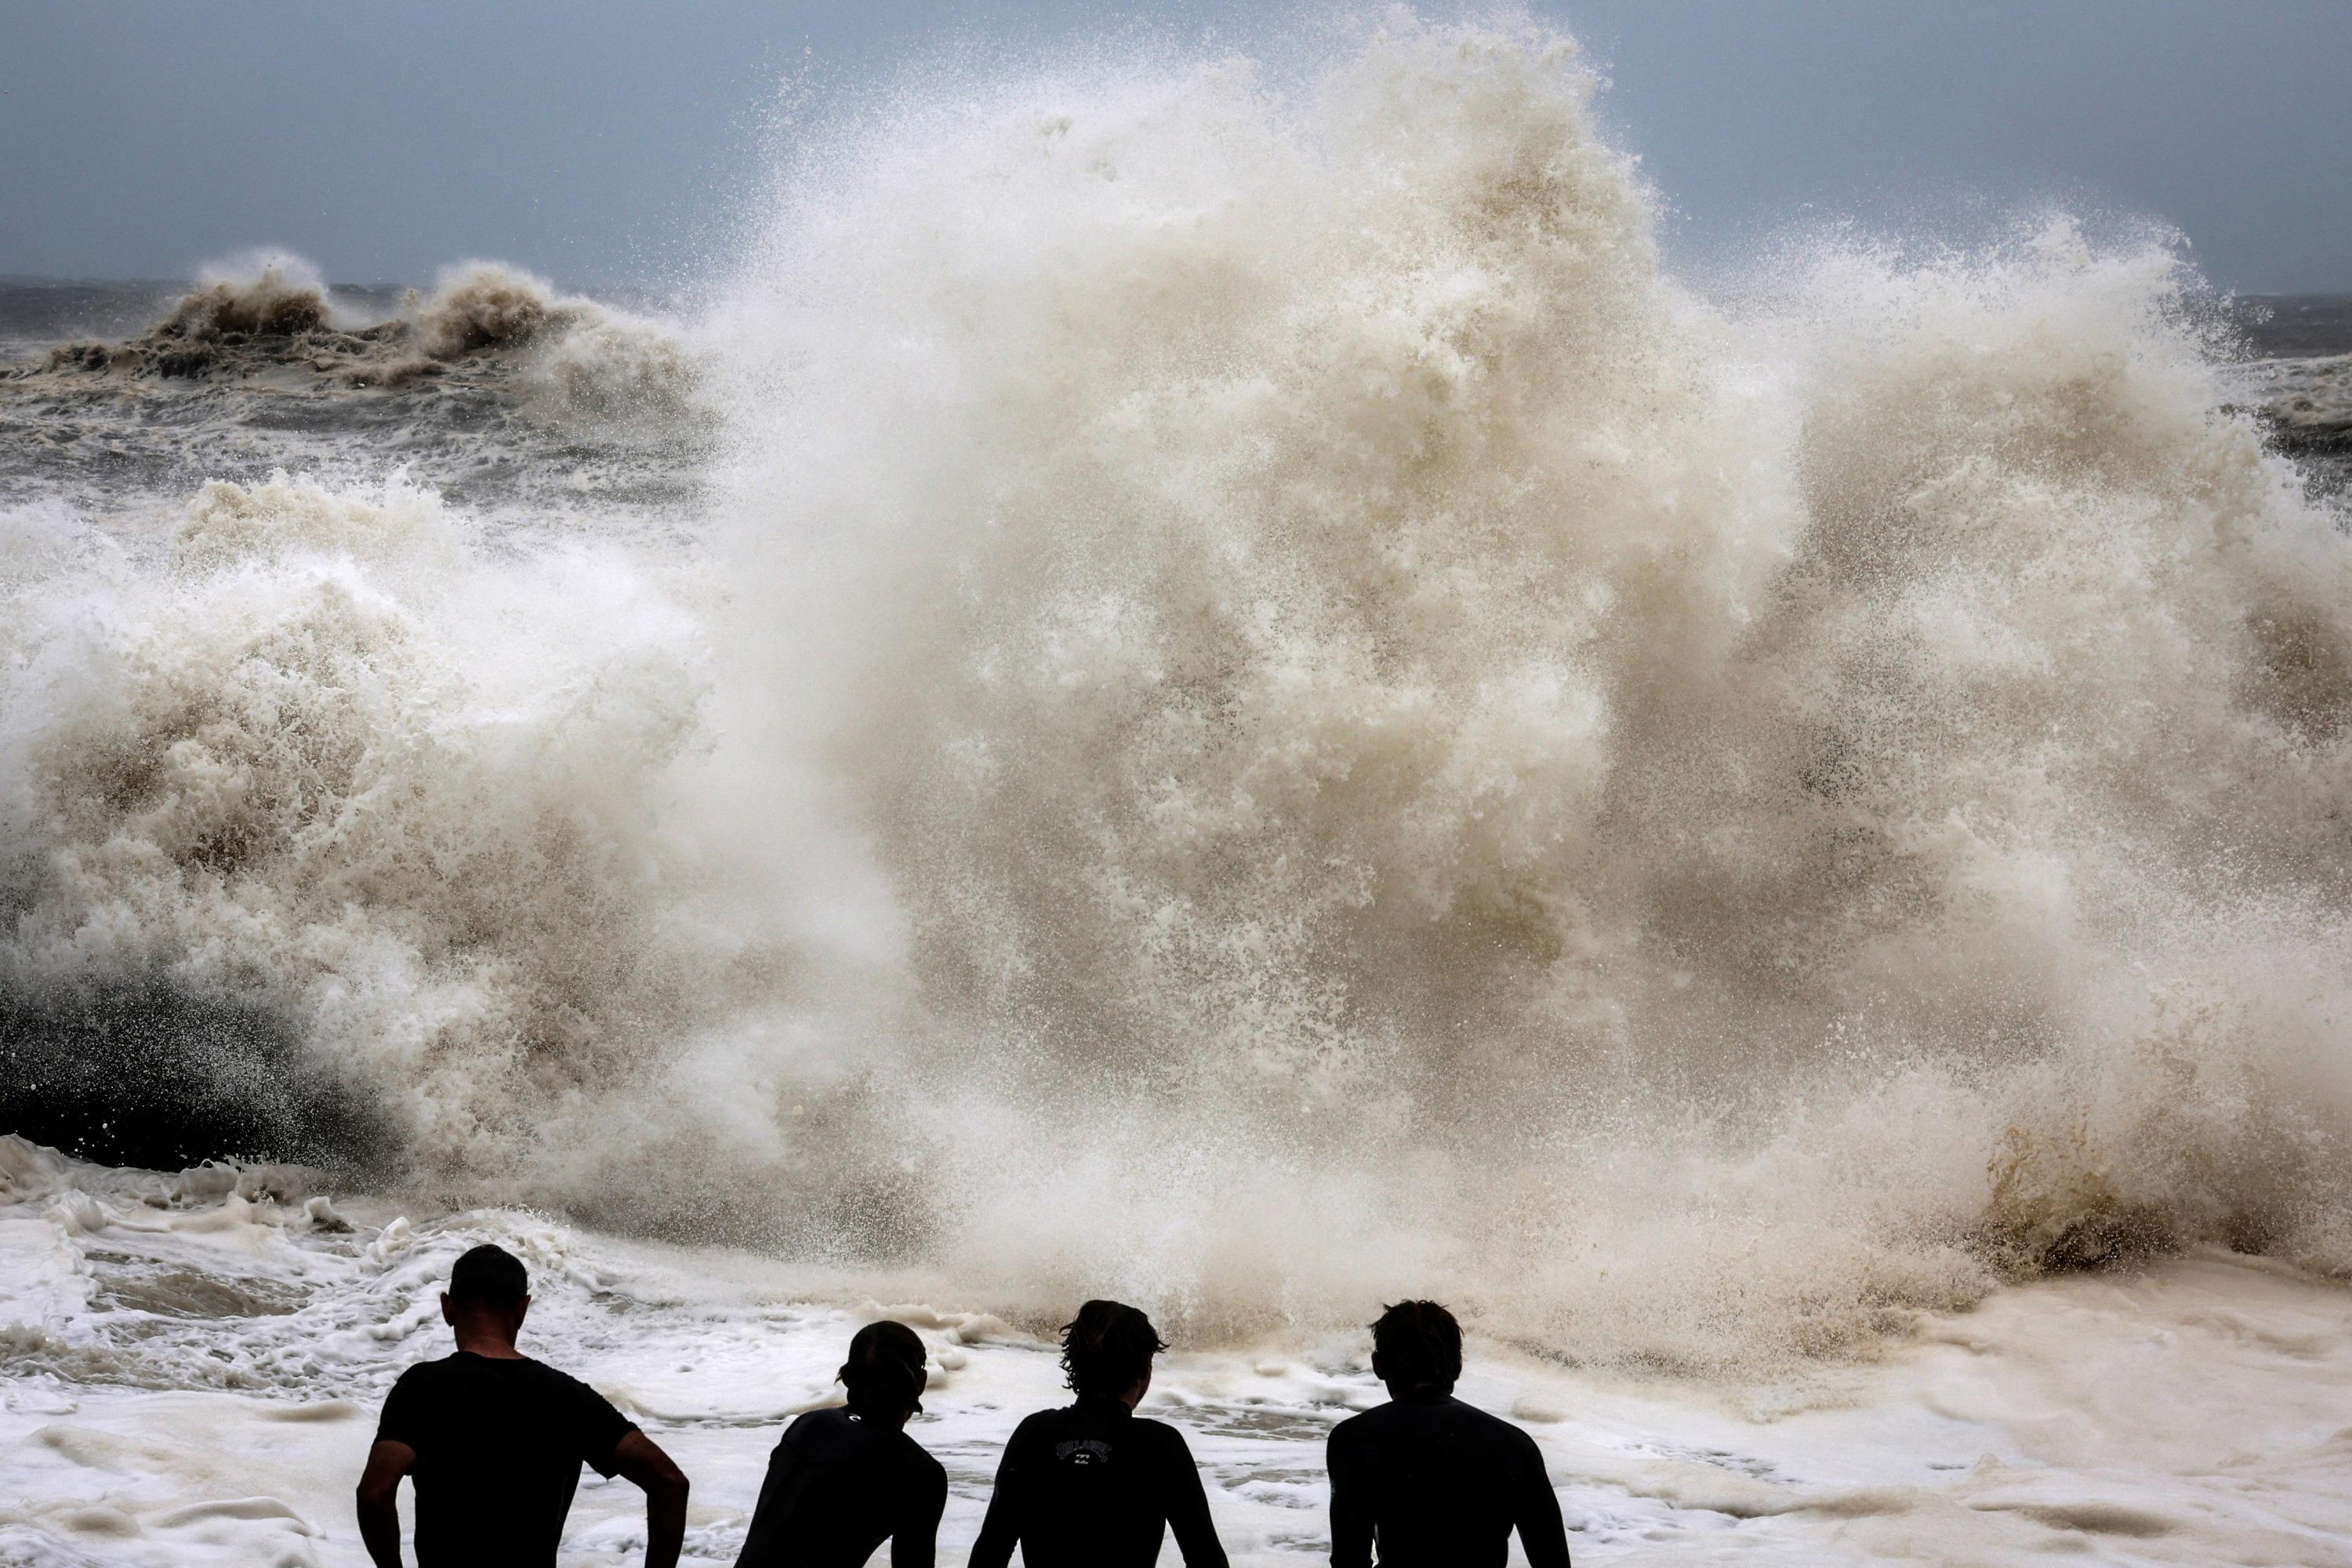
<point x="272" y="295"/>
<point x="1324" y="730"/>
<point x="333" y="762"/>
<point x="488" y="341"/>
<point x="584" y="357"/>
<point x="481" y="305"/>
<point x="1420" y="752"/>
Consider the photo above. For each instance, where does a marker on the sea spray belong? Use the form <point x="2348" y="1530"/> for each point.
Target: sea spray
<point x="1291" y="722"/>
<point x="1415" y="752"/>
<point x="328" y="761"/>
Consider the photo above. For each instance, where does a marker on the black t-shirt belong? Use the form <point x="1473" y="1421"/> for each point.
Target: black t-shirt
<point x="1094" y="1484"/>
<point x="1440" y="1483"/>
<point x="498" y="1449"/>
<point x="839" y="1486"/>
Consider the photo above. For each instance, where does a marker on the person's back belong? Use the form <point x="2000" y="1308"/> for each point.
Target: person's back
<point x="498" y="1449"/>
<point x="1431" y="1481"/>
<point x="841" y="1482"/>
<point x="494" y="1441"/>
<point x="1094" y="1484"/>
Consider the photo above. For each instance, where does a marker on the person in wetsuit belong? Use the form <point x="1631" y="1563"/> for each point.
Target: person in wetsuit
<point x="841" y="1482"/>
<point x="1429" y="1481"/>
<point x="494" y="1441"/>
<point x="1094" y="1484"/>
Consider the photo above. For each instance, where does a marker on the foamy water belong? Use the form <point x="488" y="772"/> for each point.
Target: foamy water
<point x="1253" y="708"/>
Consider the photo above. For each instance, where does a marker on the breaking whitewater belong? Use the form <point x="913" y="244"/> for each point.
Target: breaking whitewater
<point x="1205" y="684"/>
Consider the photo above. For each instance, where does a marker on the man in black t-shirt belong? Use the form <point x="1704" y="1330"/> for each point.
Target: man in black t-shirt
<point x="1435" y="1483"/>
<point x="1094" y="1484"/>
<point x="495" y="1441"/>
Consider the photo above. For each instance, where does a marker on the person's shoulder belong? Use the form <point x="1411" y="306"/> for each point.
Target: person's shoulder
<point x="1165" y="1433"/>
<point x="917" y="1457"/>
<point x="1038" y="1422"/>
<point x="808" y="1424"/>
<point x="554" y="1384"/>
<point x="1364" y="1422"/>
<point x="1357" y="1435"/>
<point x="1493" y="1426"/>
<point x="553" y="1378"/>
<point x="1473" y="1411"/>
<point x="425" y="1373"/>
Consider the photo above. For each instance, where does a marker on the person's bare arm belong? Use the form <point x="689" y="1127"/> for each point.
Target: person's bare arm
<point x="640" y="1459"/>
<point x="379" y="1501"/>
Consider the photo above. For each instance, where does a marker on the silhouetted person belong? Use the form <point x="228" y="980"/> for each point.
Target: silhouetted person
<point x="1094" y="1484"/>
<point x="841" y="1482"/>
<point x="1434" y="1483"/>
<point x="496" y="1441"/>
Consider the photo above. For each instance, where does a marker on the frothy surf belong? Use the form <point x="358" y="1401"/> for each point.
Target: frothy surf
<point x="1283" y="717"/>
<point x="511" y="394"/>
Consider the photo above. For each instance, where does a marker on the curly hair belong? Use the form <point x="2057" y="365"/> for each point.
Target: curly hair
<point x="1108" y="1348"/>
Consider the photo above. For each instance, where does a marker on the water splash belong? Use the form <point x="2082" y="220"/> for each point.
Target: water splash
<point x="1293" y="720"/>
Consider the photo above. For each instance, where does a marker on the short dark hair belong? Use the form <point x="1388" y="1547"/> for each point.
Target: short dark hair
<point x="885" y="1369"/>
<point x="1419" y="1344"/>
<point x="490" y="1275"/>
<point x="1108" y="1348"/>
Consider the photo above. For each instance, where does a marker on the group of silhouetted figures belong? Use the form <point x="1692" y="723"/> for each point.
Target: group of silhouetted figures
<point x="494" y="1441"/>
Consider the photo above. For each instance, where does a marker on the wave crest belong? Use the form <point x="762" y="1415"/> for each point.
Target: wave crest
<point x="587" y="358"/>
<point x="268" y="295"/>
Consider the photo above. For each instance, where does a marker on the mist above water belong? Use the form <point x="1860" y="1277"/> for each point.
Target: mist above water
<point x="1271" y="716"/>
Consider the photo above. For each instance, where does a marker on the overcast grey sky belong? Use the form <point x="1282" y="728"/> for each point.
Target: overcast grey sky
<point x="600" y="142"/>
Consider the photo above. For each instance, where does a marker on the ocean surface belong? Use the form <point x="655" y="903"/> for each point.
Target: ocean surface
<point x="1208" y="683"/>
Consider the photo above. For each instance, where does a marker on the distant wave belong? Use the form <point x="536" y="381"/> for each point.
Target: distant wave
<point x="269" y="295"/>
<point x="497" y="385"/>
<point x="570" y="353"/>
<point x="590" y="358"/>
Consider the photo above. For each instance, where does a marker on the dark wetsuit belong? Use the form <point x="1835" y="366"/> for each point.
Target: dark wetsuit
<point x="839" y="1486"/>
<point x="1094" y="1484"/>
<point x="1439" y="1485"/>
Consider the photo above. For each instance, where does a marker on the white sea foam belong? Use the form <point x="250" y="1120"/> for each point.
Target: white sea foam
<point x="194" y="1362"/>
<point x="1284" y="719"/>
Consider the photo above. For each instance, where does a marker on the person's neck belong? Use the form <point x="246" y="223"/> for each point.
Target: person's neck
<point x="888" y="1420"/>
<point x="1420" y="1393"/>
<point x="487" y="1344"/>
